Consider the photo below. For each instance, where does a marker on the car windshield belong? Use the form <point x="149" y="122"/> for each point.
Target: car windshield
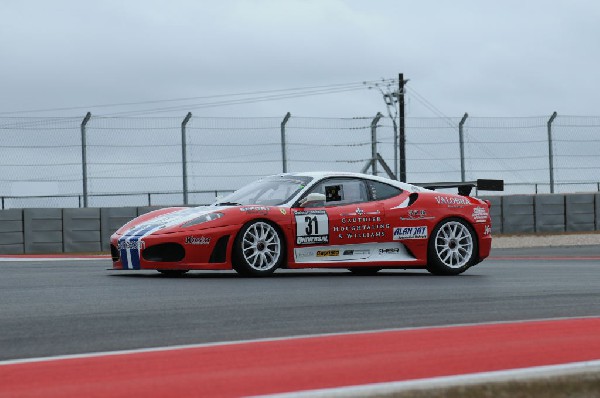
<point x="271" y="191"/>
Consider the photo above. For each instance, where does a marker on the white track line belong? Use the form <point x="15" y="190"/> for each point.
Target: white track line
<point x="448" y="381"/>
<point x="43" y="259"/>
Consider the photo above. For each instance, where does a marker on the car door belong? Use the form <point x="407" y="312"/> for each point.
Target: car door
<point x="336" y="229"/>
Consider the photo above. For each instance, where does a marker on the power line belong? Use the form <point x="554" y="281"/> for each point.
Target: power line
<point x="241" y="101"/>
<point x="299" y="90"/>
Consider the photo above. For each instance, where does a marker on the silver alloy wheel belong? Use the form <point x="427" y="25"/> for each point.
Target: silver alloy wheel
<point x="261" y="246"/>
<point x="454" y="244"/>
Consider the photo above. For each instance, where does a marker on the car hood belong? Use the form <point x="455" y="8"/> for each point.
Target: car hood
<point x="171" y="219"/>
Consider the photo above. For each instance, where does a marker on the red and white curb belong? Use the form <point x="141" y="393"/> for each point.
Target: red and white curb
<point x="348" y="363"/>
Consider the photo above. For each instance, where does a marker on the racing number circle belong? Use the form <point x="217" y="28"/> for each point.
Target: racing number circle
<point x="258" y="249"/>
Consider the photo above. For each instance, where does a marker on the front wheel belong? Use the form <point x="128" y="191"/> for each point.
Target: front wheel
<point x="452" y="247"/>
<point x="258" y="249"/>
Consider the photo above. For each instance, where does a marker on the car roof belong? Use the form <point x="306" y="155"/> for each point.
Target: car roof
<point x="319" y="175"/>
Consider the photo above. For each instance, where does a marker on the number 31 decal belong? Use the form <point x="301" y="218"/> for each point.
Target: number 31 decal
<point x="311" y="227"/>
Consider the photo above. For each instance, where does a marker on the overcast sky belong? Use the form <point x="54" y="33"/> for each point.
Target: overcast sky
<point x="488" y="58"/>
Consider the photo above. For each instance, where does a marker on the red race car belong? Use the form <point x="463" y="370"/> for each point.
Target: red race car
<point x="315" y="220"/>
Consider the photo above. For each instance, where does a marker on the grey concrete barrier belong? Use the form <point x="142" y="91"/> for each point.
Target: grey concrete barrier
<point x="81" y="230"/>
<point x="11" y="232"/>
<point x="113" y="218"/>
<point x="518" y="214"/>
<point x="43" y="230"/>
<point x="48" y="230"/>
<point x="147" y="209"/>
<point x="549" y="213"/>
<point x="598" y="212"/>
<point x="580" y="211"/>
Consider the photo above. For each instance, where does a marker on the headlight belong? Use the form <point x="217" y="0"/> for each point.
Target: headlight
<point x="203" y="218"/>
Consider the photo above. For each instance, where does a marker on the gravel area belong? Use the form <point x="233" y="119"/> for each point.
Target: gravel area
<point x="571" y="239"/>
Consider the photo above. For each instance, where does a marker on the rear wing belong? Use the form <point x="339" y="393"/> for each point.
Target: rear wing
<point x="464" y="188"/>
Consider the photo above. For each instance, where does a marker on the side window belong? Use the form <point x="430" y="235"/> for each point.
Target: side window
<point x="341" y="191"/>
<point x="381" y="191"/>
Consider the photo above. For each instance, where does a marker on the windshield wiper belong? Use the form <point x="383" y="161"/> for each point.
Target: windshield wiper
<point x="228" y="204"/>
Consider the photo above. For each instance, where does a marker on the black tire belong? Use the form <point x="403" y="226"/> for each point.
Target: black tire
<point x="452" y="248"/>
<point x="173" y="272"/>
<point x="364" y="271"/>
<point x="259" y="249"/>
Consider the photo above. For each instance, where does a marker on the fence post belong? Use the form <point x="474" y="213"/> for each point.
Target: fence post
<point x="184" y="157"/>
<point x="283" y="148"/>
<point x="461" y="139"/>
<point x="374" y="143"/>
<point x="84" y="158"/>
<point x="550" y="154"/>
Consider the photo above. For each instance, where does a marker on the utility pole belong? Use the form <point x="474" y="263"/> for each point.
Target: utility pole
<point x="402" y="128"/>
<point x="86" y="119"/>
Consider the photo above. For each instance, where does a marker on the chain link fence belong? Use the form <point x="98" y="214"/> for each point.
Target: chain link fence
<point x="129" y="161"/>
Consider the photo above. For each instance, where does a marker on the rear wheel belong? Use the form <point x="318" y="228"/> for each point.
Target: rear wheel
<point x="258" y="249"/>
<point x="173" y="272"/>
<point x="452" y="247"/>
<point x="364" y="270"/>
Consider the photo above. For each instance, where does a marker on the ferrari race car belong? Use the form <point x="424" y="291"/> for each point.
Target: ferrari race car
<point x="314" y="220"/>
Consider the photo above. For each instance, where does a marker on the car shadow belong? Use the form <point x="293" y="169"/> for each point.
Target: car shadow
<point x="281" y="274"/>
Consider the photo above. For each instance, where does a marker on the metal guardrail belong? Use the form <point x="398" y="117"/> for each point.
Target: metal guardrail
<point x="78" y="200"/>
<point x="177" y="197"/>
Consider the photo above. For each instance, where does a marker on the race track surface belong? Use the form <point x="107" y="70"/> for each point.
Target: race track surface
<point x="71" y="307"/>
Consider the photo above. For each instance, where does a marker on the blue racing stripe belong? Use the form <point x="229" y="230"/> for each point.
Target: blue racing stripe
<point x="135" y="251"/>
<point x="123" y="242"/>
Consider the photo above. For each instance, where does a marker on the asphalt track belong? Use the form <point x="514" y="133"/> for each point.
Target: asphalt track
<point x="73" y="307"/>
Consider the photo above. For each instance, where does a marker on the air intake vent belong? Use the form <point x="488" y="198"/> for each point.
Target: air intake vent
<point x="219" y="253"/>
<point x="165" y="253"/>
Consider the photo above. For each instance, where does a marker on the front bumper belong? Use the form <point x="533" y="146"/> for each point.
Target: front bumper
<point x="199" y="249"/>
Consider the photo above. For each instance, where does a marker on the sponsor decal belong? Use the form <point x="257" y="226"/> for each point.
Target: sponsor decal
<point x="361" y="252"/>
<point x="401" y="233"/>
<point x="354" y="220"/>
<point x="312" y="226"/>
<point x="480" y="214"/>
<point x="379" y="234"/>
<point x="360" y="225"/>
<point x="366" y="227"/>
<point x="302" y="254"/>
<point x="311" y="240"/>
<point x="417" y="215"/>
<point x="361" y="212"/>
<point x="197" y="240"/>
<point x="328" y="253"/>
<point x="452" y="200"/>
<point x="392" y="250"/>
<point x="255" y="209"/>
<point x="283" y="211"/>
<point x="487" y="230"/>
<point x="131" y="245"/>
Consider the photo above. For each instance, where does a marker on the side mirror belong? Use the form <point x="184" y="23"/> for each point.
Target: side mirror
<point x="312" y="198"/>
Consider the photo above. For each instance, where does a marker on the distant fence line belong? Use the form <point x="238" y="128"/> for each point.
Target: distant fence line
<point x="117" y="161"/>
